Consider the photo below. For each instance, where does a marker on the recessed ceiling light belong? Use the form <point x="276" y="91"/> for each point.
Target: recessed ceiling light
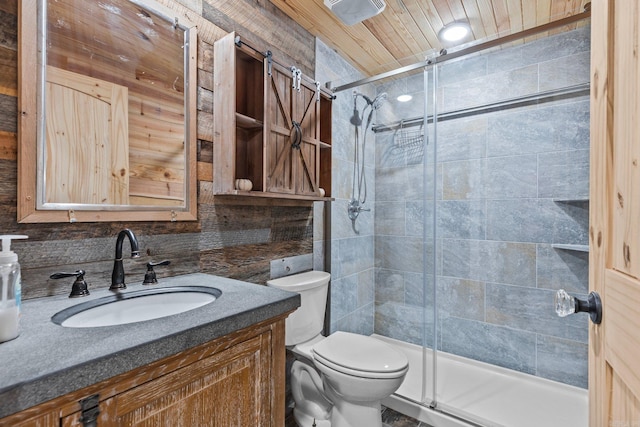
<point x="453" y="32"/>
<point x="404" y="98"/>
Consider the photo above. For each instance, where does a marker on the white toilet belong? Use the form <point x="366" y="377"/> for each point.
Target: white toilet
<point x="337" y="381"/>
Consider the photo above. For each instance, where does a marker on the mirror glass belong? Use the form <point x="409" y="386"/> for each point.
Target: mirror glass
<point x="115" y="110"/>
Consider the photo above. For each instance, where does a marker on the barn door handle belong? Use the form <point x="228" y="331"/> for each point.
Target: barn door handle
<point x="567" y="304"/>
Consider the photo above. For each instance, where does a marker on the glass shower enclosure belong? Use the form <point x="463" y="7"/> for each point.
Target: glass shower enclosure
<point x="476" y="166"/>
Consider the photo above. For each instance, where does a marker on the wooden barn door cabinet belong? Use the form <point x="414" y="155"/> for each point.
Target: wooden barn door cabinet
<point x="272" y="126"/>
<point x="236" y="380"/>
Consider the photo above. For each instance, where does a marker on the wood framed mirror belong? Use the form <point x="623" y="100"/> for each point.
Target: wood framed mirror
<point x="107" y="106"/>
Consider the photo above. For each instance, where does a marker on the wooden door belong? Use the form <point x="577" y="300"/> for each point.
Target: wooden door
<point x="292" y="133"/>
<point x="614" y="345"/>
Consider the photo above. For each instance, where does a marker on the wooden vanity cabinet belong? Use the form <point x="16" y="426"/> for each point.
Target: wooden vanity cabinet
<point x="269" y="127"/>
<point x="236" y="380"/>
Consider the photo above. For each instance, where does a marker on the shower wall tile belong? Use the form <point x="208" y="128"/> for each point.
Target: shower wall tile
<point x="532" y="310"/>
<point x="491" y="88"/>
<point x="461" y="219"/>
<point x="460" y="70"/>
<point x="540" y="51"/>
<point x="342" y="132"/>
<point x="393" y="111"/>
<point x="394" y="88"/>
<point x="390" y="218"/>
<point x="566" y="71"/>
<point x="386" y="154"/>
<point x="559" y="45"/>
<point x="400" y="184"/>
<point x="344" y="296"/>
<point x="342" y="178"/>
<point x="562" y="269"/>
<point x="563" y="360"/>
<point x="403" y="322"/>
<point x="366" y="287"/>
<point x="335" y="258"/>
<point x="463" y="179"/>
<point x="389" y="285"/>
<point x="341" y="225"/>
<point x="355" y="254"/>
<point x="318" y="220"/>
<point x="461" y="298"/>
<point x="318" y="255"/>
<point x="490" y="261"/>
<point x="415" y="82"/>
<point x="558" y="127"/>
<point x="511" y="177"/>
<point x="360" y="321"/>
<point x="417" y="287"/>
<point x="416" y="219"/>
<point x="462" y="139"/>
<point x="506" y="347"/>
<point x="352" y="248"/>
<point x="537" y="220"/>
<point x="564" y="174"/>
<point x="507" y="59"/>
<point x="399" y="253"/>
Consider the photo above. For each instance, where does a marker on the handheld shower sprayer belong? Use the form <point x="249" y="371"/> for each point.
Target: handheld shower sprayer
<point x="359" y="190"/>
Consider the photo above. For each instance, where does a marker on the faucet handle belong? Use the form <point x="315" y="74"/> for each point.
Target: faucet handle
<point x="79" y="287"/>
<point x="150" y="275"/>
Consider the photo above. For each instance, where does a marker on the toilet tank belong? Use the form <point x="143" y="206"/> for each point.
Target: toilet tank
<point x="307" y="321"/>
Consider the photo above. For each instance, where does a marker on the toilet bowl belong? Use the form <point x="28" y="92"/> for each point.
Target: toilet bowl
<point x="358" y="372"/>
<point x="337" y="381"/>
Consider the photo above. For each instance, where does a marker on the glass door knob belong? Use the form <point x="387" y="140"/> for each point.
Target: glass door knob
<point x="566" y="304"/>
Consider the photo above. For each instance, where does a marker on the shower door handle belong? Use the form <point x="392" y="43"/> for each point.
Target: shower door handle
<point x="566" y="304"/>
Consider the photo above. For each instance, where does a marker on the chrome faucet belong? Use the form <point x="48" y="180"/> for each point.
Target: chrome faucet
<point x="117" y="276"/>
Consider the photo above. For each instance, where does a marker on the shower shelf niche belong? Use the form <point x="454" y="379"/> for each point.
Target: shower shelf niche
<point x="577" y="248"/>
<point x="569" y="247"/>
<point x="271" y="126"/>
<point x="577" y="200"/>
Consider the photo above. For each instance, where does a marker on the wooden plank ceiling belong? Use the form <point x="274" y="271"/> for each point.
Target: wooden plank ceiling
<point x="407" y="29"/>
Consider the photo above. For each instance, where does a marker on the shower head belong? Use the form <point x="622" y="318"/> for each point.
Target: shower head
<point x="355" y="118"/>
<point x="378" y="100"/>
<point x="375" y="103"/>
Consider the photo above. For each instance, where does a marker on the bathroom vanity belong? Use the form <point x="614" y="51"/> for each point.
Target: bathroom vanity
<point x="221" y="364"/>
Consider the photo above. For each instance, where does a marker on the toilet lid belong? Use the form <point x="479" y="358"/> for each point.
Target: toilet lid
<point x="360" y="353"/>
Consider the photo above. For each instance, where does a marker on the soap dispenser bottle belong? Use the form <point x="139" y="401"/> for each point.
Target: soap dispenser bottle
<point x="10" y="288"/>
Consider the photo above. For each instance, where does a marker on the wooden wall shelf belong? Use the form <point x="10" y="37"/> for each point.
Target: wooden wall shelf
<point x="269" y="127"/>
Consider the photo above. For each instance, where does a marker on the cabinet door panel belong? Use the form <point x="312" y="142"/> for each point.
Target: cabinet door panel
<point x="50" y="419"/>
<point x="279" y="131"/>
<point x="305" y="108"/>
<point x="227" y="389"/>
<point x="221" y="390"/>
<point x="292" y="134"/>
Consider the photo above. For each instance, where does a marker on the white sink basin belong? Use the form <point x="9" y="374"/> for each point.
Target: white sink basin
<point x="136" y="306"/>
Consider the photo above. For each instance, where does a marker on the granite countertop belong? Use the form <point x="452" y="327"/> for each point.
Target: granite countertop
<point x="47" y="360"/>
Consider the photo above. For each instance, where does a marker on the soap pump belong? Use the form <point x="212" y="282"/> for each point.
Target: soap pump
<point x="10" y="290"/>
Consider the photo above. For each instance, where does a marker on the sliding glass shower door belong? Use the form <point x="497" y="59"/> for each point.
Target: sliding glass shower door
<point x="512" y="129"/>
<point x="477" y="172"/>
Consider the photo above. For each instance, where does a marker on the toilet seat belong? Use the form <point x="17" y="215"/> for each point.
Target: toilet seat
<point x="360" y="356"/>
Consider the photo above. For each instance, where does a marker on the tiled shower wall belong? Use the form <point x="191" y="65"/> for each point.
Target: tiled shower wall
<point x="512" y="185"/>
<point x="352" y="244"/>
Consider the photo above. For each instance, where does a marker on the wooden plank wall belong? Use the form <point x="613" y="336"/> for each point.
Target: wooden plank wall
<point x="229" y="240"/>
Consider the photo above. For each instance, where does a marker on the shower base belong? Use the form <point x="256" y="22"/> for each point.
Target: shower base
<point x="484" y="394"/>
